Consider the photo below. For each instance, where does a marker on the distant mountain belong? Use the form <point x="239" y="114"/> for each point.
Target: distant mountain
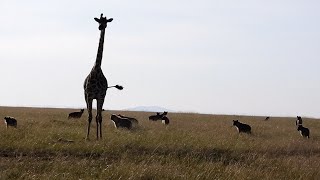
<point x="149" y="109"/>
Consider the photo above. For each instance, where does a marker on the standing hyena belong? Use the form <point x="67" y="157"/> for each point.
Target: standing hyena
<point x="120" y="122"/>
<point x="304" y="131"/>
<point x="165" y="120"/>
<point x="242" y="127"/>
<point x="10" y="121"/>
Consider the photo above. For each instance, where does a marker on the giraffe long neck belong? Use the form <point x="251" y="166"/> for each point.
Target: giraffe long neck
<point x="100" y="49"/>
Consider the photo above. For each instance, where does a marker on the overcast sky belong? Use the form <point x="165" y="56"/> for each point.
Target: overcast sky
<point x="208" y="56"/>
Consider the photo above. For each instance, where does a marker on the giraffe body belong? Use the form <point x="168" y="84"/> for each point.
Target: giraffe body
<point x="96" y="84"/>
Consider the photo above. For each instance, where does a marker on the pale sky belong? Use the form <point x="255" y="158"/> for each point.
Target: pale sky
<point x="208" y="56"/>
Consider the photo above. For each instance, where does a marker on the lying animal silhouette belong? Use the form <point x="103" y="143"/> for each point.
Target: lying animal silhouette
<point x="158" y="116"/>
<point x="76" y="115"/>
<point x="121" y="122"/>
<point x="133" y="120"/>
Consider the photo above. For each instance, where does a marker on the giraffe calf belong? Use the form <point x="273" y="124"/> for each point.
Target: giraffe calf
<point x="76" y="115"/>
<point x="120" y="122"/>
<point x="10" y="121"/>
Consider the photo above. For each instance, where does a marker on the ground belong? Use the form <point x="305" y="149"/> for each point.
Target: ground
<point x="46" y="145"/>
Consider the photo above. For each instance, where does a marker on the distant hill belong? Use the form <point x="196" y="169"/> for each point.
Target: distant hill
<point x="149" y="109"/>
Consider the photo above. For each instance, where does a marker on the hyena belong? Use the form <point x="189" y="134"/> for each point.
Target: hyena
<point x="242" y="127"/>
<point x="304" y="131"/>
<point x="121" y="122"/>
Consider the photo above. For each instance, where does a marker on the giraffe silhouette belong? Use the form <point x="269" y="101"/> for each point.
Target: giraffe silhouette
<point x="96" y="84"/>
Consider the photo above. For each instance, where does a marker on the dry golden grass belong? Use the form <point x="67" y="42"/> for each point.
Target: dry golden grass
<point x="193" y="146"/>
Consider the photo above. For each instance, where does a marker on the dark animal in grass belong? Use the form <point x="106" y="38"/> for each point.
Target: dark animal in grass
<point x="267" y="118"/>
<point x="133" y="120"/>
<point x="155" y="117"/>
<point x="165" y="120"/>
<point x="298" y="121"/>
<point x="304" y="131"/>
<point x="158" y="116"/>
<point x="65" y="140"/>
<point x="10" y="121"/>
<point x="121" y="122"/>
<point x="76" y="115"/>
<point x="242" y="127"/>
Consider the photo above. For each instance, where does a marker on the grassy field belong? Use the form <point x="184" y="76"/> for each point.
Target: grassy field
<point x="193" y="146"/>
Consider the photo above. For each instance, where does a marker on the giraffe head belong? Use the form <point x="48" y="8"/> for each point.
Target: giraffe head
<point x="103" y="22"/>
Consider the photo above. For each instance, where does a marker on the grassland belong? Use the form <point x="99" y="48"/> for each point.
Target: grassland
<point x="193" y="146"/>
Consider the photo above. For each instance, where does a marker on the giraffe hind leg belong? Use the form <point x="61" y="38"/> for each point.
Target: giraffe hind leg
<point x="99" y="117"/>
<point x="99" y="126"/>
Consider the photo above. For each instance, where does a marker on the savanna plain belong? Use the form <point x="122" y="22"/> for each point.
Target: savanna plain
<point x="47" y="145"/>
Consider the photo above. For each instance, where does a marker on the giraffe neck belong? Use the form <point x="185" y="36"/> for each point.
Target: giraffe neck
<point x="100" y="49"/>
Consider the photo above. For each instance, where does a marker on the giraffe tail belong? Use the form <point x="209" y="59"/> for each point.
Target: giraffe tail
<point x="117" y="86"/>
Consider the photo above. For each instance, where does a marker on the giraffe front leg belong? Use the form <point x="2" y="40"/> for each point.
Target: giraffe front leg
<point x="89" y="106"/>
<point x="89" y="124"/>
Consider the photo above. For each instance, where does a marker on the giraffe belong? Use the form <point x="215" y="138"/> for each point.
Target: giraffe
<point x="96" y="84"/>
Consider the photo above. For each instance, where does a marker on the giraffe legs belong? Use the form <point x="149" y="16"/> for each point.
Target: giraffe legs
<point x="99" y="117"/>
<point x="89" y="107"/>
